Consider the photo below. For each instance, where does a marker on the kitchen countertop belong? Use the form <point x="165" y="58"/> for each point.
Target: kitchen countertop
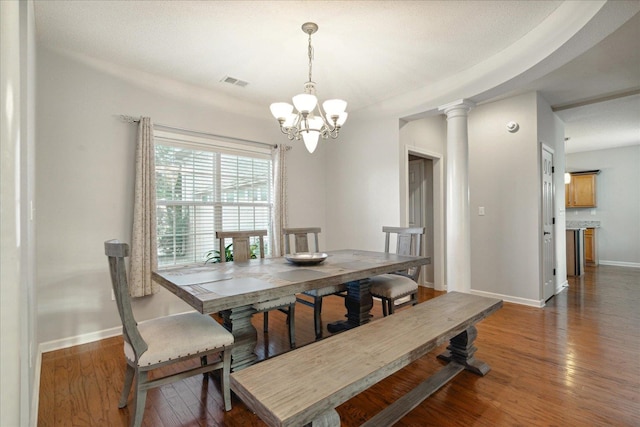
<point x="582" y="224"/>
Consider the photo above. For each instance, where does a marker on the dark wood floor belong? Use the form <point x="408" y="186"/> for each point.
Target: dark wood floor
<point x="575" y="362"/>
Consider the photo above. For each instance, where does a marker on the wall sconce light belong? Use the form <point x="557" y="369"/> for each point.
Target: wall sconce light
<point x="513" y="127"/>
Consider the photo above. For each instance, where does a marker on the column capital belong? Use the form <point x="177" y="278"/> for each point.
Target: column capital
<point x="456" y="108"/>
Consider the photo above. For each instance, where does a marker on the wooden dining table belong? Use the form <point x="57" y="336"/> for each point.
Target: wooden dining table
<point x="231" y="288"/>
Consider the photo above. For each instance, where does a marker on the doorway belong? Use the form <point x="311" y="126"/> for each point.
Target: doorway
<point x="427" y="205"/>
<point x="420" y="209"/>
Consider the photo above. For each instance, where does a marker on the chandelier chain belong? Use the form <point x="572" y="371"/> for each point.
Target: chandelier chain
<point x="310" y="57"/>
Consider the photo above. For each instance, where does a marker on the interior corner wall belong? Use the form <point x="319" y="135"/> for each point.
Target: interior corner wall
<point x="18" y="324"/>
<point x="362" y="184"/>
<point x="84" y="195"/>
<point x="504" y="180"/>
<point x="10" y="261"/>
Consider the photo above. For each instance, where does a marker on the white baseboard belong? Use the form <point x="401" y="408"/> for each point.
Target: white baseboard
<point x="35" y="398"/>
<point x="620" y="263"/>
<point x="48" y="346"/>
<point x="562" y="287"/>
<point x="508" y="298"/>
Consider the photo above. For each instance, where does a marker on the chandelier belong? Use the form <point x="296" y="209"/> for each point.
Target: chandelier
<point x="306" y="123"/>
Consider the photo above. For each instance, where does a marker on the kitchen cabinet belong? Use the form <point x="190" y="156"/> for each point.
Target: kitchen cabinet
<point x="590" y="246"/>
<point x="581" y="191"/>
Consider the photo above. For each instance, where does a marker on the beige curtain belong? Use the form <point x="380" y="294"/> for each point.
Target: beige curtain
<point x="144" y="252"/>
<point x="279" y="214"/>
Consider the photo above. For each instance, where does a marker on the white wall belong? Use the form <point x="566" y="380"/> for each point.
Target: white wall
<point x="306" y="193"/>
<point x="85" y="188"/>
<point x="17" y="295"/>
<point x="618" y="198"/>
<point x="362" y="184"/>
<point x="504" y="178"/>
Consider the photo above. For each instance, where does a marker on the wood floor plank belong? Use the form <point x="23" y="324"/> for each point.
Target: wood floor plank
<point x="573" y="362"/>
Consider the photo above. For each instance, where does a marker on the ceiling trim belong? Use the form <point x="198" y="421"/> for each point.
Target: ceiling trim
<point x="596" y="100"/>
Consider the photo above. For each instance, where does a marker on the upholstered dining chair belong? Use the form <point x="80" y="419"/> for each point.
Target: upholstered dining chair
<point x="394" y="286"/>
<point x="162" y="341"/>
<point x="242" y="251"/>
<point x="301" y="244"/>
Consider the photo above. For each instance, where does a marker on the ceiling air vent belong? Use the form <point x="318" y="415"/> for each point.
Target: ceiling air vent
<point x="234" y="81"/>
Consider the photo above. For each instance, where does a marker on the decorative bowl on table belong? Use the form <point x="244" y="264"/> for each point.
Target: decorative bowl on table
<point x="306" y="258"/>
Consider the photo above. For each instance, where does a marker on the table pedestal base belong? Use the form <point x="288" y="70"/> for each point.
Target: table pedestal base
<point x="358" y="303"/>
<point x="238" y="322"/>
<point x="461" y="350"/>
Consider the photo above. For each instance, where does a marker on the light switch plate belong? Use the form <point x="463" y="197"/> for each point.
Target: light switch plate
<point x="481" y="211"/>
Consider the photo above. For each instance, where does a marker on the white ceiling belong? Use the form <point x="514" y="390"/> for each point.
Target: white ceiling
<point x="374" y="54"/>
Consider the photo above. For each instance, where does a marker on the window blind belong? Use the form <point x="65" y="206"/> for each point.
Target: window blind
<point x="201" y="187"/>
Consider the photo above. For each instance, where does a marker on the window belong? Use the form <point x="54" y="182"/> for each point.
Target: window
<point x="204" y="185"/>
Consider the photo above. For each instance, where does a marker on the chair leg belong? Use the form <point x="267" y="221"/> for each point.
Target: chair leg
<point x="224" y="379"/>
<point x="203" y="362"/>
<point x="392" y="306"/>
<point x="139" y="400"/>
<point x="383" y="301"/>
<point x="265" y="326"/>
<point x="292" y="325"/>
<point x="126" y="388"/>
<point x="317" y="319"/>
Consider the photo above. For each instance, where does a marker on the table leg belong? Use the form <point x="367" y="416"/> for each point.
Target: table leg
<point x="461" y="350"/>
<point x="358" y="303"/>
<point x="326" y="419"/>
<point x="238" y="322"/>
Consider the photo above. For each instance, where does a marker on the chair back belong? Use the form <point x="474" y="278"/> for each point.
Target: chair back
<point x="300" y="239"/>
<point x="241" y="243"/>
<point x="117" y="252"/>
<point x="408" y="242"/>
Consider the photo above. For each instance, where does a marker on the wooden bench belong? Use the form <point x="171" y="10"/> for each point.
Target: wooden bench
<point x="305" y="386"/>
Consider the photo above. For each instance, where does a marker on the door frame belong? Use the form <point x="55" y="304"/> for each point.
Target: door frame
<point x="438" y="257"/>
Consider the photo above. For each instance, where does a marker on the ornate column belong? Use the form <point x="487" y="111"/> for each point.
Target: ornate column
<point x="458" y="229"/>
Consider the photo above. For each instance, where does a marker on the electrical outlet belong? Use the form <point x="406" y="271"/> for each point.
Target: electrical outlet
<point x="481" y="211"/>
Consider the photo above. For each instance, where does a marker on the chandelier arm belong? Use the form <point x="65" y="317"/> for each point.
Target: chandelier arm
<point x="295" y="128"/>
<point x="323" y="114"/>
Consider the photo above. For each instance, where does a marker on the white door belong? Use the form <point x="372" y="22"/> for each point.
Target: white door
<point x="548" y="244"/>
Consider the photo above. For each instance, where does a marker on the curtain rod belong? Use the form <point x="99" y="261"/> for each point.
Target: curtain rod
<point x="131" y="119"/>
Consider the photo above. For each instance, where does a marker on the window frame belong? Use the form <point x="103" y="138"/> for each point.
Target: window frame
<point x="220" y="145"/>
